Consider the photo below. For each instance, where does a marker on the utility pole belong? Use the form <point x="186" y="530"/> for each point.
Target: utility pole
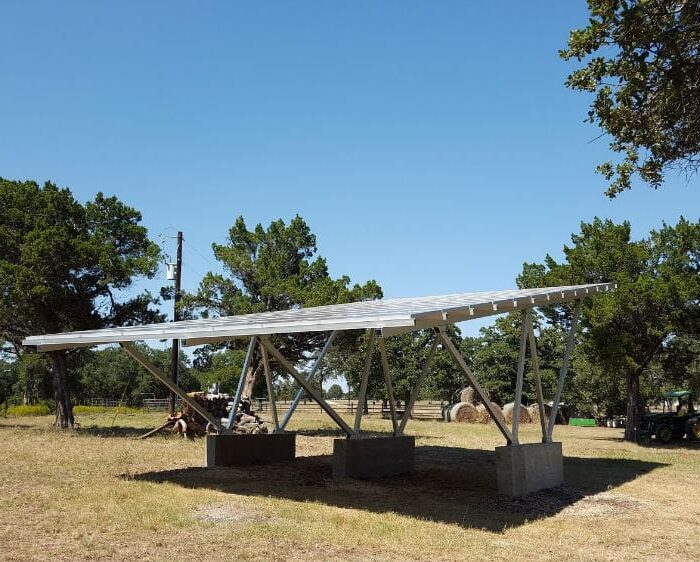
<point x="175" y="360"/>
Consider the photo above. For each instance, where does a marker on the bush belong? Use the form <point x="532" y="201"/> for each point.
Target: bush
<point x="33" y="410"/>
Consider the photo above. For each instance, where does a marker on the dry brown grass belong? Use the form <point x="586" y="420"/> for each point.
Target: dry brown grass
<point x="100" y="493"/>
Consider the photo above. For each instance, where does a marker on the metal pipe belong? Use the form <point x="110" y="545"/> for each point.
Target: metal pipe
<point x="387" y="382"/>
<point x="562" y="372"/>
<point x="309" y="378"/>
<point x="146" y="364"/>
<point x="241" y="381"/>
<point x="363" y="384"/>
<point x="270" y="388"/>
<point x="310" y="389"/>
<point x="459" y="361"/>
<point x="519" y="377"/>
<point x="419" y="382"/>
<point x="536" y="375"/>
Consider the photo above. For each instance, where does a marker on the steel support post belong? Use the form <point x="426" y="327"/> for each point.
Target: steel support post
<point x="315" y="394"/>
<point x="309" y="378"/>
<point x="536" y="375"/>
<point x="387" y="382"/>
<point x="146" y="364"/>
<point x="270" y="389"/>
<point x="419" y="382"/>
<point x="519" y="378"/>
<point x="563" y="371"/>
<point x="241" y="382"/>
<point x="363" y="384"/>
<point x="459" y="361"/>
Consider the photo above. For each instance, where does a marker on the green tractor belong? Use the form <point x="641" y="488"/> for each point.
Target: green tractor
<point x="673" y="423"/>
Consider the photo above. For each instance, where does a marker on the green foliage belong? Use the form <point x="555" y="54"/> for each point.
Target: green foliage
<point x="630" y="330"/>
<point x="270" y="269"/>
<point x="406" y="355"/>
<point x="62" y="263"/>
<point x="65" y="266"/>
<point x="334" y="392"/>
<point x="111" y="374"/>
<point x="643" y="65"/>
<point x="22" y="410"/>
<point x="494" y="358"/>
<point x="222" y="367"/>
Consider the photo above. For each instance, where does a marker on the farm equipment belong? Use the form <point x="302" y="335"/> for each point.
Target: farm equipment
<point x="673" y="423"/>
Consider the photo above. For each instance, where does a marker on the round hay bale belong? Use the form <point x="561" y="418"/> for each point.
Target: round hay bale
<point x="464" y="412"/>
<point x="534" y="412"/>
<point x="509" y="412"/>
<point x="484" y="415"/>
<point x="467" y="395"/>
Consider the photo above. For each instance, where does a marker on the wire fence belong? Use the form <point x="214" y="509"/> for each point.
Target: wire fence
<point x="422" y="409"/>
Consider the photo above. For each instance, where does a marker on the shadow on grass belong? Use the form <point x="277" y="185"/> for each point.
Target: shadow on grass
<point x="450" y="485"/>
<point x="116" y="431"/>
<point x="339" y="433"/>
<point x="654" y="444"/>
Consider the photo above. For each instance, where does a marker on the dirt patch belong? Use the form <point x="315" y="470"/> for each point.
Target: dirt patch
<point x="227" y="513"/>
<point x="603" y="505"/>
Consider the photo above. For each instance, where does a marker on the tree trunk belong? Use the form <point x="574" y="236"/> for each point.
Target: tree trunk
<point x="251" y="377"/>
<point x="635" y="407"/>
<point x="64" y="406"/>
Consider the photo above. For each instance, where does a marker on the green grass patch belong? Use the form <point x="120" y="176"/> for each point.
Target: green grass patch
<point x="105" y="410"/>
<point x="29" y="410"/>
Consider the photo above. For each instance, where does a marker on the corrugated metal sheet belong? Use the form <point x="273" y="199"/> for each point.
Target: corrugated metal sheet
<point x="392" y="316"/>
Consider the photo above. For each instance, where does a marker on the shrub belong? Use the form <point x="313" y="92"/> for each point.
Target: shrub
<point x="29" y="410"/>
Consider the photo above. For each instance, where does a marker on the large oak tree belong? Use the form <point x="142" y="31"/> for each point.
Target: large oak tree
<point x="642" y="62"/>
<point x="656" y="304"/>
<point x="68" y="266"/>
<point x="269" y="269"/>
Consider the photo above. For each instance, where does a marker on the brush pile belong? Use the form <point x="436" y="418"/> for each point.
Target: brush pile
<point x="188" y="423"/>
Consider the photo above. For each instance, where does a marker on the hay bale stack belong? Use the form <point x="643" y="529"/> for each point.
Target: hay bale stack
<point x="484" y="415"/>
<point x="509" y="412"/>
<point x="467" y="395"/>
<point x="465" y="413"/>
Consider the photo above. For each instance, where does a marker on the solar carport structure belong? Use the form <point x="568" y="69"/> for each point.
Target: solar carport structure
<point x="521" y="468"/>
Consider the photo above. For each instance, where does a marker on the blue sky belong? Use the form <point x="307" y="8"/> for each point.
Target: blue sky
<point x="431" y="146"/>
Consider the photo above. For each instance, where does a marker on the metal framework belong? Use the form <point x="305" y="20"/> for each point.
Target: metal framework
<point x="381" y="319"/>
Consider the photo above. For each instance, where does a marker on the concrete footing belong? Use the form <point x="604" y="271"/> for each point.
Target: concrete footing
<point x="521" y="469"/>
<point x="245" y="450"/>
<point x="373" y="457"/>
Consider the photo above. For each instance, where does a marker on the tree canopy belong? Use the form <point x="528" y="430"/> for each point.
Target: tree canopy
<point x="656" y="305"/>
<point x="66" y="266"/>
<point x="269" y="269"/>
<point x="643" y="65"/>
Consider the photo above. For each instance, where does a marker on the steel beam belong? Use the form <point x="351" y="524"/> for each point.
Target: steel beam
<point x="241" y="382"/>
<point x="387" y="382"/>
<point x="315" y="394"/>
<point x="419" y="382"/>
<point x="459" y="361"/>
<point x="536" y="375"/>
<point x="309" y="378"/>
<point x="363" y="384"/>
<point x="563" y="371"/>
<point x="142" y="360"/>
<point x="270" y="388"/>
<point x="519" y="377"/>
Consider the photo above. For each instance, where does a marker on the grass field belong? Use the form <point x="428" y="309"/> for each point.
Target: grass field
<point x="101" y="493"/>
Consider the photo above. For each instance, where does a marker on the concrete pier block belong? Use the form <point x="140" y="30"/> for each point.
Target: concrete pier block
<point x="245" y="450"/>
<point x="521" y="469"/>
<point x="373" y="457"/>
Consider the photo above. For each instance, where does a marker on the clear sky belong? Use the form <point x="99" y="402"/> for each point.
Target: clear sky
<point x="430" y="145"/>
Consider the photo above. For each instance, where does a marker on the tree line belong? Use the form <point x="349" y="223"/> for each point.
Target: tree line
<point x="68" y="266"/>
